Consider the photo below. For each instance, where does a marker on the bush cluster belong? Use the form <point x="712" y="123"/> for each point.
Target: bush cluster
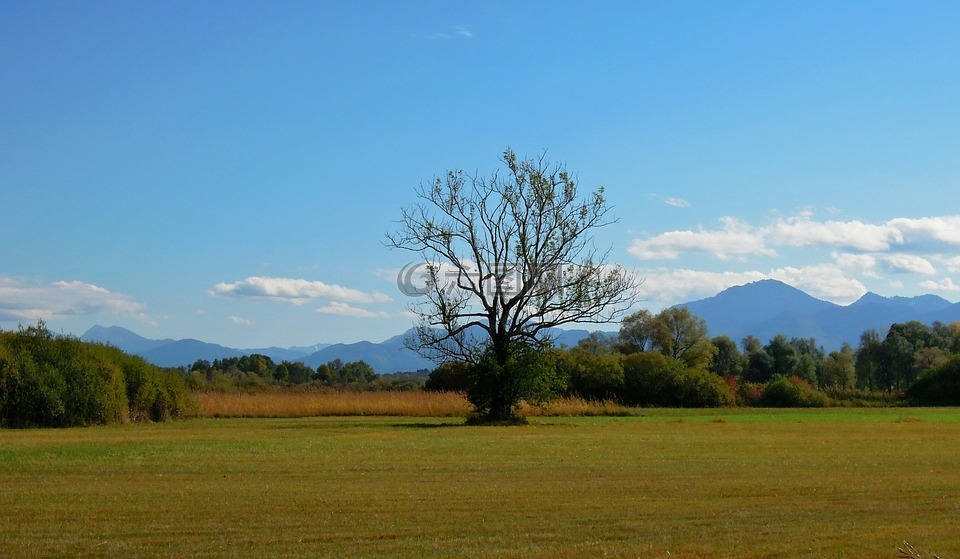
<point x="939" y="386"/>
<point x="642" y="379"/>
<point x="653" y="379"/>
<point x="52" y="381"/>
<point x="791" y="392"/>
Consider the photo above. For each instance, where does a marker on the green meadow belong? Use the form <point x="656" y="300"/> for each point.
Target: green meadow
<point x="670" y="483"/>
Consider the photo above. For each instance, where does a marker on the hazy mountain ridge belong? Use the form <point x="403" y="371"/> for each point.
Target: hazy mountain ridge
<point x="175" y="353"/>
<point x="769" y="307"/>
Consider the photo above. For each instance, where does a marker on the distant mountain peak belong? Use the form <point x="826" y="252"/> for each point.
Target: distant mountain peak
<point x="121" y="338"/>
<point x="769" y="307"/>
<point x="922" y="303"/>
<point x="761" y="298"/>
<point x="869" y="298"/>
<point x="771" y="287"/>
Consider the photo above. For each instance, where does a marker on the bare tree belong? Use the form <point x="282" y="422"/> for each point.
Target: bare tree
<point x="507" y="258"/>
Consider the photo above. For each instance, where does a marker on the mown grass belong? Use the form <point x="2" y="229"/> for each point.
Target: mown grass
<point x="710" y="483"/>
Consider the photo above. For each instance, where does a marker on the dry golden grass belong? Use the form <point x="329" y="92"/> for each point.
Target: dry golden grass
<point x="578" y="407"/>
<point x="322" y="403"/>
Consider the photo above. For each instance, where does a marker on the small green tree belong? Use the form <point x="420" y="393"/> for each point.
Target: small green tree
<point x="636" y="332"/>
<point x="784" y="356"/>
<point x="357" y="372"/>
<point x="680" y="334"/>
<point x="727" y="362"/>
<point x="867" y="361"/>
<point x="838" y="370"/>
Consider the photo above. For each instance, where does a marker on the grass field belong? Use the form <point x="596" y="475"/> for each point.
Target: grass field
<point x="677" y="483"/>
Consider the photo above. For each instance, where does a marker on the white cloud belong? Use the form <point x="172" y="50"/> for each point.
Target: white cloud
<point x="297" y="291"/>
<point x="461" y="31"/>
<point x="800" y="230"/>
<point x="20" y="301"/>
<point x="240" y="320"/>
<point x="865" y="264"/>
<point x="342" y="309"/>
<point x="735" y="239"/>
<point x="741" y="239"/>
<point x="946" y="284"/>
<point x="870" y="265"/>
<point x="907" y="263"/>
<point x="676" y="202"/>
<point x="953" y="264"/>
<point x="943" y="229"/>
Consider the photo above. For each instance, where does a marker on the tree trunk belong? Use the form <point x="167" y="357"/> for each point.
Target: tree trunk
<point x="500" y="406"/>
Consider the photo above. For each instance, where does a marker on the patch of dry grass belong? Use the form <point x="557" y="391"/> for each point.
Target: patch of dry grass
<point x="324" y="403"/>
<point x="321" y="403"/>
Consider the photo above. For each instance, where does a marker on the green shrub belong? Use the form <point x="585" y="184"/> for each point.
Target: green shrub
<point x="28" y="396"/>
<point x="154" y="394"/>
<point x="50" y="381"/>
<point x="453" y="376"/>
<point x="791" y="392"/>
<point x="60" y="382"/>
<point x="591" y="376"/>
<point x="859" y="398"/>
<point x="939" y="386"/>
<point x="649" y="379"/>
<point x="497" y="390"/>
<point x="653" y="379"/>
<point x="750" y="394"/>
<point x="703" y="389"/>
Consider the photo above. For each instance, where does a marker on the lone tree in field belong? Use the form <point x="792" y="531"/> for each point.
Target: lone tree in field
<point x="505" y="259"/>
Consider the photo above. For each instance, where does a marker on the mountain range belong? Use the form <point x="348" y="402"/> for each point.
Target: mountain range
<point x="762" y="309"/>
<point x="769" y="307"/>
<point x="389" y="356"/>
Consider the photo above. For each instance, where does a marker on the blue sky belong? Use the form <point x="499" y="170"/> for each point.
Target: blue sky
<point x="228" y="170"/>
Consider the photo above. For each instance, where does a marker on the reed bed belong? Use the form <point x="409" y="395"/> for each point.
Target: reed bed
<point x="578" y="407"/>
<point x="317" y="403"/>
<point x="321" y="403"/>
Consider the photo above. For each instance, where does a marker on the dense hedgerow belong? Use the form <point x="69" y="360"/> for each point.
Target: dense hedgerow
<point x="53" y="381"/>
<point x="939" y="386"/>
<point x="593" y="377"/>
<point x="653" y="379"/>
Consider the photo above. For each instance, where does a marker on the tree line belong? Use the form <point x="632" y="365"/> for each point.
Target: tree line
<point x="257" y="370"/>
<point x="668" y="359"/>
